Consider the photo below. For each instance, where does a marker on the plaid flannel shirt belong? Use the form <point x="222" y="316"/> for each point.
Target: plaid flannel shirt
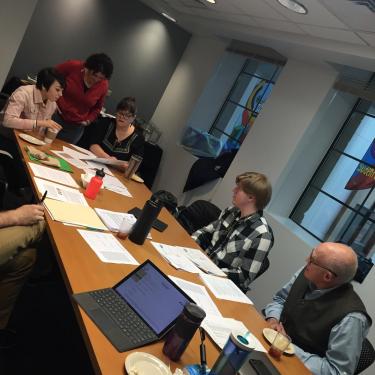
<point x="237" y="245"/>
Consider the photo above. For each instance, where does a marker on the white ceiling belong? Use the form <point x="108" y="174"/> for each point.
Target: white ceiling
<point x="333" y="30"/>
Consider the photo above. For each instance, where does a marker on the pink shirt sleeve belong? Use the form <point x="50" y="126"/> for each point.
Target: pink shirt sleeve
<point x="16" y="105"/>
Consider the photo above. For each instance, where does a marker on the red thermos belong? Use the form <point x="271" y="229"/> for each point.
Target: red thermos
<point x="94" y="185"/>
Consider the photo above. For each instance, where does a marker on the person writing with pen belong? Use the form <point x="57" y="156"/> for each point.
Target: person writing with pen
<point x="20" y="231"/>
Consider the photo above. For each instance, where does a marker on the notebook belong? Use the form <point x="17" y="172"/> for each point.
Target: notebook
<point x="139" y="310"/>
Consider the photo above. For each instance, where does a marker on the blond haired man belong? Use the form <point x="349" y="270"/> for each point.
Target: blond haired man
<point x="241" y="238"/>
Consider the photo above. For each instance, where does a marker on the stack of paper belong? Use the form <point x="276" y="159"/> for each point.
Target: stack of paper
<point x="53" y="175"/>
<point x="112" y="219"/>
<point x="75" y="214"/>
<point x="107" y="248"/>
<point x="71" y="160"/>
<point x="60" y="192"/>
<point x="199" y="295"/>
<point x="220" y="329"/>
<point x="202" y="261"/>
<point x="175" y="257"/>
<point x="224" y="289"/>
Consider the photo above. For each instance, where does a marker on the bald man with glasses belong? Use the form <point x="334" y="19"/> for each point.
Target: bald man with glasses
<point x="320" y="311"/>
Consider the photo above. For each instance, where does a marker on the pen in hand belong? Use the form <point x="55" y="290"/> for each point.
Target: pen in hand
<point x="43" y="197"/>
<point x="202" y="350"/>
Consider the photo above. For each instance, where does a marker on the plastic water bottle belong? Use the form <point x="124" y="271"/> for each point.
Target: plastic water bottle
<point x="95" y="184"/>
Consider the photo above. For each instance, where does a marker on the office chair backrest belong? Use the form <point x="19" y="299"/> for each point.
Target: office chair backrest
<point x="199" y="214"/>
<point x="366" y="358"/>
<point x="264" y="267"/>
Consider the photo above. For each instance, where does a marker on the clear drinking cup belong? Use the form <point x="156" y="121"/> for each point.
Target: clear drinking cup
<point x="134" y="163"/>
<point x="279" y="345"/>
<point x="50" y="135"/>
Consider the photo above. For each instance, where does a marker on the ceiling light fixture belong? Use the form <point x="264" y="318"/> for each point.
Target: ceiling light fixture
<point x="169" y="17"/>
<point x="211" y="1"/>
<point x="294" y="6"/>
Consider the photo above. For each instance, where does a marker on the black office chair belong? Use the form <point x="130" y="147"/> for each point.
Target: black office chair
<point x="196" y="216"/>
<point x="366" y="358"/>
<point x="264" y="267"/>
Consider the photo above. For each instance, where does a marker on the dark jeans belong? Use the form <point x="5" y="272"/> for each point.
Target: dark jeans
<point x="70" y="132"/>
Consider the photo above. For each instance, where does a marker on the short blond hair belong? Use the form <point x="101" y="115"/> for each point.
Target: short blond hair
<point x="256" y="184"/>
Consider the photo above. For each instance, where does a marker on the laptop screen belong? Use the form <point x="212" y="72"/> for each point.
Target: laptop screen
<point x="153" y="296"/>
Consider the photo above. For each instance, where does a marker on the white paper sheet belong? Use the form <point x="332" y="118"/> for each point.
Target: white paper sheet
<point x="175" y="257"/>
<point x="93" y="165"/>
<point x="60" y="192"/>
<point x="224" y="289"/>
<point x="104" y="161"/>
<point x="199" y="294"/>
<point x="84" y="151"/>
<point x="53" y="175"/>
<point x="202" y="261"/>
<point x="220" y="329"/>
<point x="112" y="219"/>
<point x="73" y="161"/>
<point x="73" y="153"/>
<point x="107" y="247"/>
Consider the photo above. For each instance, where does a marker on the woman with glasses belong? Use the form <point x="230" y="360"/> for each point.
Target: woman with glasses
<point x="117" y="138"/>
<point x="84" y="94"/>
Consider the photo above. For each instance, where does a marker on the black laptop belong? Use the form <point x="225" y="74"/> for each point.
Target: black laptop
<point x="139" y="310"/>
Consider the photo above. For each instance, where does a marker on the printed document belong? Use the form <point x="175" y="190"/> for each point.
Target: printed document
<point x="202" y="261"/>
<point x="60" y="192"/>
<point x="112" y="219"/>
<point x="73" y="161"/>
<point x="199" y="295"/>
<point x="220" y="329"/>
<point x="175" y="257"/>
<point x="224" y="289"/>
<point x="53" y="175"/>
<point x="107" y="247"/>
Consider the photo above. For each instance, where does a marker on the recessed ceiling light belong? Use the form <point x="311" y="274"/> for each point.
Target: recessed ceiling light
<point x="211" y="1"/>
<point x="294" y="6"/>
<point x="169" y="17"/>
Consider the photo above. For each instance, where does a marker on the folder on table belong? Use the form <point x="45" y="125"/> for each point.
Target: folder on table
<point x="73" y="213"/>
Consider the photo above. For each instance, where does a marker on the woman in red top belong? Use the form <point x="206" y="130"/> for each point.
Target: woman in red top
<point x="84" y="93"/>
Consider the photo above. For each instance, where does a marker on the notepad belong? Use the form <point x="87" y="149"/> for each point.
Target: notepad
<point x="75" y="214"/>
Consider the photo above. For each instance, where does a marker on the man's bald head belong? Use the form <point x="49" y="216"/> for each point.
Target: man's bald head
<point x="340" y="258"/>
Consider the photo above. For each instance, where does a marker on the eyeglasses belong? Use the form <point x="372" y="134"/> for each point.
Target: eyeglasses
<point x="125" y="115"/>
<point x="311" y="260"/>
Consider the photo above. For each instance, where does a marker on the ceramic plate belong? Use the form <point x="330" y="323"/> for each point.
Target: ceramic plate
<point x="269" y="335"/>
<point x="31" y="139"/>
<point x="139" y="363"/>
<point x="137" y="178"/>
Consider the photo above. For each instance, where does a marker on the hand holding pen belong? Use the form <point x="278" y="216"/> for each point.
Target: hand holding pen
<point x="43" y="197"/>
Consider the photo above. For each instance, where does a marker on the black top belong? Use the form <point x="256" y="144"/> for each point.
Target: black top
<point x="103" y="133"/>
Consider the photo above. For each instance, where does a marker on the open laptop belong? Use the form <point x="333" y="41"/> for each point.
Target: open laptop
<point x="139" y="310"/>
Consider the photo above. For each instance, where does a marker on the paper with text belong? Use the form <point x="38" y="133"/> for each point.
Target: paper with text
<point x="107" y="247"/>
<point x="199" y="295"/>
<point x="53" y="175"/>
<point x="73" y="161"/>
<point x="224" y="289"/>
<point x="60" y="192"/>
<point x="175" y="257"/>
<point x="202" y="261"/>
<point x="220" y="329"/>
<point x="112" y="219"/>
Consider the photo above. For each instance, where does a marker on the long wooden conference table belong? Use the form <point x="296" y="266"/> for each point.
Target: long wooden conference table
<point x="83" y="271"/>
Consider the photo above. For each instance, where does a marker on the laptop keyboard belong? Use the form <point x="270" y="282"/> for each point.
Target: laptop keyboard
<point x="127" y="320"/>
